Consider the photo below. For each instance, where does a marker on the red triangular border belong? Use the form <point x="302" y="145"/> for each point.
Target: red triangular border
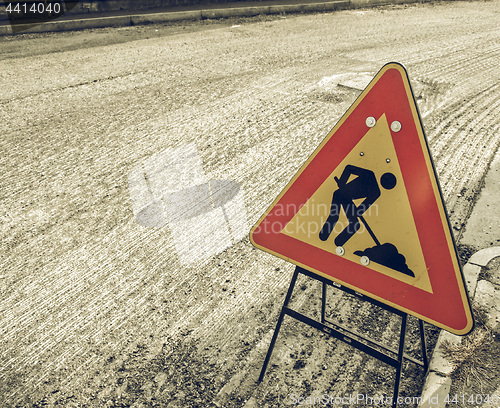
<point x="390" y="93"/>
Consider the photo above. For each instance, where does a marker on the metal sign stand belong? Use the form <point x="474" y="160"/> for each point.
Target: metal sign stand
<point x="380" y="352"/>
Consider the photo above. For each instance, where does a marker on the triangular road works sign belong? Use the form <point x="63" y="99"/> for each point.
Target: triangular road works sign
<point x="366" y="210"/>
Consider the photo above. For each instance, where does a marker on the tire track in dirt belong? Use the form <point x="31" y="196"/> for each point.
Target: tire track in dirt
<point x="467" y="69"/>
<point x="463" y="144"/>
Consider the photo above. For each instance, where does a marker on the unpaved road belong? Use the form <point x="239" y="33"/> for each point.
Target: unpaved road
<point x="97" y="310"/>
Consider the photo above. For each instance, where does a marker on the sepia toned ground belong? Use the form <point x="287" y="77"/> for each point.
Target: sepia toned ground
<point x="98" y="310"/>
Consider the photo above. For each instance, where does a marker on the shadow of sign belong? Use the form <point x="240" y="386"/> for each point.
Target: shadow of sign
<point x="29" y="13"/>
<point x="204" y="217"/>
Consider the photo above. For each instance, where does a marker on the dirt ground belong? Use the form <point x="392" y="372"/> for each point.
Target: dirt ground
<point x="98" y="310"/>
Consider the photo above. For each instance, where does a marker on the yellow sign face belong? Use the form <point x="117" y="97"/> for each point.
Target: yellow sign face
<point x="389" y="216"/>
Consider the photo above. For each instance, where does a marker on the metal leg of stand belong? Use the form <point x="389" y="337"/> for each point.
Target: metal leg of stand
<point x="399" y="367"/>
<point x="323" y="302"/>
<point x="278" y="325"/>
<point x="424" y="345"/>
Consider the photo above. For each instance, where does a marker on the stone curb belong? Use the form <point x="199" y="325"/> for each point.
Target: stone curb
<point x="438" y="380"/>
<point x="163" y="17"/>
<point x="484" y="256"/>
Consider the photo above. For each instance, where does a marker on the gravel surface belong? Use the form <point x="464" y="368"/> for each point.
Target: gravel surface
<point x="98" y="310"/>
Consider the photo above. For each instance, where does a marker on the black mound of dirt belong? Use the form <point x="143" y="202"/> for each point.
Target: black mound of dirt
<point x="387" y="255"/>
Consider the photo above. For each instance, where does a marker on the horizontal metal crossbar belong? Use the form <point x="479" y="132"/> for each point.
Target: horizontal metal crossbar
<point x="341" y="336"/>
<point x="352" y="338"/>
